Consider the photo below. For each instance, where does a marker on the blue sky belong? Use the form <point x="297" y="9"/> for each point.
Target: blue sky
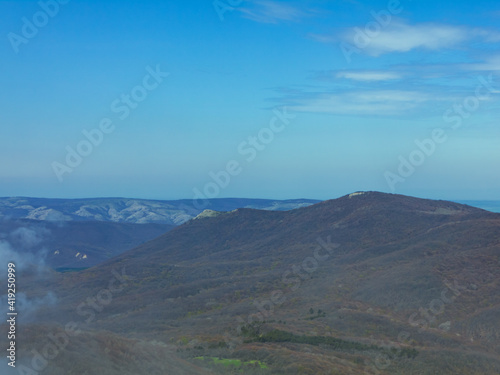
<point x="267" y="99"/>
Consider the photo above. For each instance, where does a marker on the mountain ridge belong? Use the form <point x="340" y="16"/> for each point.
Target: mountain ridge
<point x="139" y="211"/>
<point x="361" y="269"/>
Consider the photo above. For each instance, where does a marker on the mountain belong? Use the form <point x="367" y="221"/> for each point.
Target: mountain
<point x="138" y="211"/>
<point x="369" y="283"/>
<point x="74" y="244"/>
<point x="79" y="233"/>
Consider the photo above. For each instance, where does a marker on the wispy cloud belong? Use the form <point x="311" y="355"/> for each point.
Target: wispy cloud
<point x="400" y="90"/>
<point x="264" y="11"/>
<point x="369" y="76"/>
<point x="490" y="64"/>
<point x="400" y="36"/>
<point x="362" y="103"/>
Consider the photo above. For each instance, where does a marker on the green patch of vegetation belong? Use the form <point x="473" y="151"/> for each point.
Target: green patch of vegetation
<point x="233" y="362"/>
<point x="254" y="335"/>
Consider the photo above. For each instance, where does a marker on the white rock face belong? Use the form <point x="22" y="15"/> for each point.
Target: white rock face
<point x="445" y="326"/>
<point x="356" y="194"/>
<point x="49" y="214"/>
<point x="208" y="213"/>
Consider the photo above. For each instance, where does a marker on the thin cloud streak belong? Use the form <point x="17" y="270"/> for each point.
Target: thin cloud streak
<point x="271" y="12"/>
<point x="379" y="103"/>
<point x="369" y="76"/>
<point x="490" y="64"/>
<point x="401" y="37"/>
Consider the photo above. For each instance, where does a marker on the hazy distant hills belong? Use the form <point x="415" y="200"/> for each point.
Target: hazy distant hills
<point x="80" y="233"/>
<point x="73" y="244"/>
<point x="369" y="283"/>
<point x="138" y="211"/>
<point x="141" y="211"/>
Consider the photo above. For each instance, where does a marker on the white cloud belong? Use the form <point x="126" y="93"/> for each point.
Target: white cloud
<point x="28" y="307"/>
<point x="29" y="237"/>
<point x="265" y="11"/>
<point x="490" y="64"/>
<point x="384" y="102"/>
<point x="401" y="37"/>
<point x="369" y="76"/>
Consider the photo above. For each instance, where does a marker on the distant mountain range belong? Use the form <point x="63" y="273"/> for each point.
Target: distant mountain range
<point x="70" y="234"/>
<point x="369" y="283"/>
<point x="136" y="211"/>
